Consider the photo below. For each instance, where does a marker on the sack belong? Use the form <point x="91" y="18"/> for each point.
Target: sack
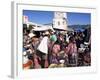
<point x="43" y="46"/>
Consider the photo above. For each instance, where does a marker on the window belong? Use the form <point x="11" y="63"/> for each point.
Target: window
<point x="63" y="22"/>
<point x="58" y="23"/>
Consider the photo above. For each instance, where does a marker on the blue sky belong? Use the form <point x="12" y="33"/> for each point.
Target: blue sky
<point x="44" y="17"/>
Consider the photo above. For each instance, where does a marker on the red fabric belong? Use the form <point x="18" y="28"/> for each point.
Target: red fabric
<point x="36" y="63"/>
<point x="29" y="63"/>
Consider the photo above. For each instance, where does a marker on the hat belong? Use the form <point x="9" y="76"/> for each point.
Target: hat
<point x="46" y="33"/>
<point x="24" y="53"/>
<point x="30" y="51"/>
<point x="31" y="35"/>
<point x="25" y="59"/>
<point x="28" y="45"/>
<point x="86" y="43"/>
<point x="61" y="52"/>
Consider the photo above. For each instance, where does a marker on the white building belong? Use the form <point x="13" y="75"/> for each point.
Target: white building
<point x="60" y="21"/>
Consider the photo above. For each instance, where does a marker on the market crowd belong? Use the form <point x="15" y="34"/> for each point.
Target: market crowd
<point x="54" y="49"/>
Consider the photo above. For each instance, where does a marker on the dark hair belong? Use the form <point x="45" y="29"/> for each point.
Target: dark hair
<point x="57" y="42"/>
<point x="71" y="39"/>
<point x="30" y="56"/>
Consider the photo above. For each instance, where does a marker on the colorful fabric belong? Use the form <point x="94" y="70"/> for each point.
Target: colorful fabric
<point x="53" y="60"/>
<point x="56" y="48"/>
<point x="71" y="48"/>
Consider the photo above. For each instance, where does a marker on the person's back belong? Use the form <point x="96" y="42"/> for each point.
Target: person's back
<point x="72" y="48"/>
<point x="71" y="51"/>
<point x="56" y="48"/>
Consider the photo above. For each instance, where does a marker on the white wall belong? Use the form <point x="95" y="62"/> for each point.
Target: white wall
<point x="5" y="40"/>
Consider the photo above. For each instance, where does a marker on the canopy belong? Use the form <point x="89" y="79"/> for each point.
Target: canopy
<point x="42" y="28"/>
